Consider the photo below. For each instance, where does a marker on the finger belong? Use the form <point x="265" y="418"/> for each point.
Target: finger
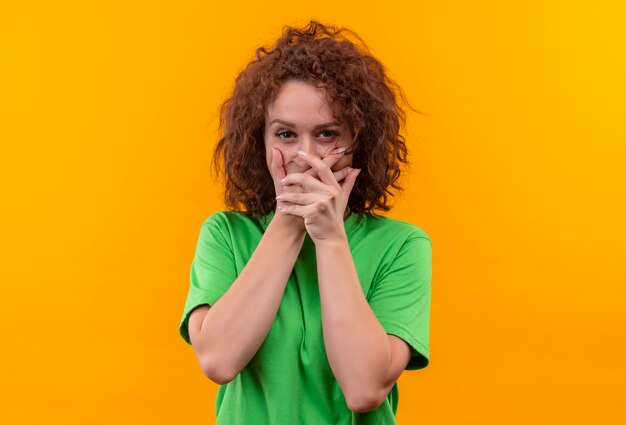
<point x="322" y="169"/>
<point x="276" y="167"/>
<point x="295" y="188"/>
<point x="338" y="175"/>
<point x="304" y="198"/>
<point x="348" y="182"/>
<point x="342" y="174"/>
<point x="331" y="159"/>
<point x="292" y="209"/>
<point x="309" y="183"/>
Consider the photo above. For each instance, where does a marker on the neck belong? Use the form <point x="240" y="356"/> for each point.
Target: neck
<point x="346" y="214"/>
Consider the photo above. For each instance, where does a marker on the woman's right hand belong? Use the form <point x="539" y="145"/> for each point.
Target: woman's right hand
<point x="278" y="172"/>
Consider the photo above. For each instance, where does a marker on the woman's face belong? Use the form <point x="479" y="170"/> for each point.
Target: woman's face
<point x="300" y="118"/>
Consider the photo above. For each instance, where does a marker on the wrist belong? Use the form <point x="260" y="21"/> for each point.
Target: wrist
<point x="332" y="242"/>
<point x="288" y="220"/>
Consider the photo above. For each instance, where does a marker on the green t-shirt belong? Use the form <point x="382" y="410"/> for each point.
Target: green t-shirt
<point x="289" y="380"/>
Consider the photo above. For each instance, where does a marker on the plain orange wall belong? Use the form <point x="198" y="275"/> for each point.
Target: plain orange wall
<point x="108" y="118"/>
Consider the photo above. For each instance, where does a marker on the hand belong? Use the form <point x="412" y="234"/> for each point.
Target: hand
<point x="322" y="203"/>
<point x="278" y="172"/>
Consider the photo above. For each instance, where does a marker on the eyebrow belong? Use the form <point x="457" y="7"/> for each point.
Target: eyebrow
<point x="290" y="124"/>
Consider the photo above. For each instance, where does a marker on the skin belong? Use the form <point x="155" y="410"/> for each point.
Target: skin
<point x="313" y="185"/>
<point x="303" y="105"/>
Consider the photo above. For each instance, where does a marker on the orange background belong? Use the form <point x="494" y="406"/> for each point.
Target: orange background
<point x="108" y="118"/>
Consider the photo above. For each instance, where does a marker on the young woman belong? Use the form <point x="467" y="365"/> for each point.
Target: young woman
<point x="304" y="304"/>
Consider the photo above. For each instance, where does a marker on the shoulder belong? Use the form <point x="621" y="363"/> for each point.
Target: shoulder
<point x="222" y="218"/>
<point x="388" y="227"/>
<point x="230" y="221"/>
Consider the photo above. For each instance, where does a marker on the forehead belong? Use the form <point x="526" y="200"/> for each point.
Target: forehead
<point x="299" y="101"/>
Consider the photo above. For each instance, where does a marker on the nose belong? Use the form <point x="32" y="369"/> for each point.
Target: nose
<point x="308" y="145"/>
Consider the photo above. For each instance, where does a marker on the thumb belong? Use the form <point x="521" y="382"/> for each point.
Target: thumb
<point x="348" y="182"/>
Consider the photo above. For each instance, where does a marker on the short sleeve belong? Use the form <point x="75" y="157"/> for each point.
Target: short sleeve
<point x="400" y="298"/>
<point x="212" y="270"/>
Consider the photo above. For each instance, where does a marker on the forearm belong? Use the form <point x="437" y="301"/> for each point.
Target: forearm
<point x="237" y="324"/>
<point x="356" y="344"/>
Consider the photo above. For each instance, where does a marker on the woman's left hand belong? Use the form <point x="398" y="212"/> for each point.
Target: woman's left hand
<point x="323" y="202"/>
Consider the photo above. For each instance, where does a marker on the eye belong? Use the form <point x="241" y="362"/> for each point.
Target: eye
<point x="282" y="133"/>
<point x="331" y="133"/>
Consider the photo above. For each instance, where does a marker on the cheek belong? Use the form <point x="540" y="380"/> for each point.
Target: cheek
<point x="294" y="164"/>
<point x="288" y="154"/>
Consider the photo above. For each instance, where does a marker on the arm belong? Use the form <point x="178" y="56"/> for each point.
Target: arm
<point x="365" y="360"/>
<point x="226" y="336"/>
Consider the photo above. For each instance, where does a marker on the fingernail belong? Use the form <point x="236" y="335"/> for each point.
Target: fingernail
<point x="283" y="180"/>
<point x="280" y="207"/>
<point x="278" y="197"/>
<point x="303" y="153"/>
<point x="340" y="150"/>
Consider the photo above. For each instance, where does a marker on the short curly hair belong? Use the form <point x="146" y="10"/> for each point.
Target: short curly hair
<point x="354" y="81"/>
